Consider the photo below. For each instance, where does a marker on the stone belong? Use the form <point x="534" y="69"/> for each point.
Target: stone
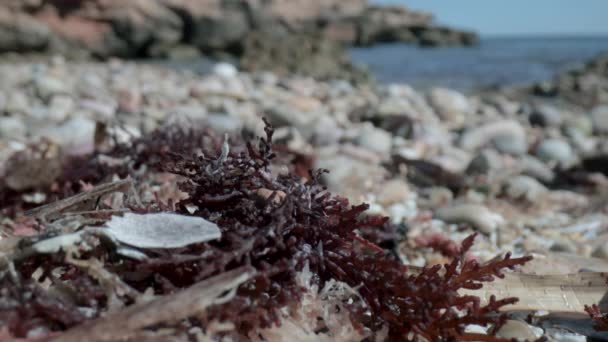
<point x="144" y="24"/>
<point x="12" y="128"/>
<point x="450" y="105"/>
<point x="214" y="31"/>
<point x="524" y="187"/>
<point x="580" y="123"/>
<point x="325" y="131"/>
<point x="33" y="168"/>
<point x="47" y="86"/>
<point x="517" y="330"/>
<point x="484" y="162"/>
<point x="224" y="123"/>
<point x="392" y="192"/>
<point x="545" y="116"/>
<point x="21" y="32"/>
<point x="60" y="107"/>
<point x="534" y="168"/>
<point x="350" y="176"/>
<point x="76" y="136"/>
<point x="599" y="117"/>
<point x="375" y="139"/>
<point x="285" y="115"/>
<point x="129" y="101"/>
<point x="17" y="103"/>
<point x="102" y="110"/>
<point x="225" y="70"/>
<point x="478" y="216"/>
<point x="601" y="251"/>
<point x="507" y="136"/>
<point x="555" y="150"/>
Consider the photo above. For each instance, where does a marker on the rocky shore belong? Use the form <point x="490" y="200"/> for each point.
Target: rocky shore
<point x="527" y="173"/>
<point x="302" y="36"/>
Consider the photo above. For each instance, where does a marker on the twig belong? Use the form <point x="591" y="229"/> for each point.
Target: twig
<point x="127" y="323"/>
<point x="55" y="209"/>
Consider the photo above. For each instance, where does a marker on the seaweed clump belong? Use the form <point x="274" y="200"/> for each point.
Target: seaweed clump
<point x="280" y="224"/>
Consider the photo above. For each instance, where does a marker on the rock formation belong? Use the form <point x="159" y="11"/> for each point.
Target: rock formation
<point x="309" y="29"/>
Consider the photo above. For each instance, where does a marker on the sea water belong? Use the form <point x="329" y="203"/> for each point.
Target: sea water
<point x="495" y="62"/>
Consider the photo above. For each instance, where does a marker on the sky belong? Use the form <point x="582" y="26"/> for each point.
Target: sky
<point x="518" y="17"/>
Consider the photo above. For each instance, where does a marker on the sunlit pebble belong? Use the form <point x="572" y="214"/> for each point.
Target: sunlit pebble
<point x="36" y="197"/>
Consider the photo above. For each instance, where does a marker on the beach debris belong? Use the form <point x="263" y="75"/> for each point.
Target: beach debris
<point x="161" y="230"/>
<point x="567" y="293"/>
<point x="129" y="323"/>
<point x="81" y="201"/>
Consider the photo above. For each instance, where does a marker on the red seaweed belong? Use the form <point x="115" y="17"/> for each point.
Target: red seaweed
<point x="276" y="234"/>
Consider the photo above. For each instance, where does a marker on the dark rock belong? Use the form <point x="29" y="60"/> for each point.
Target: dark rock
<point x="303" y="36"/>
<point x="545" y="116"/>
<point x="304" y="54"/>
<point x="139" y="23"/>
<point x="427" y="174"/>
<point x="585" y="86"/>
<point x="220" y="33"/>
<point x="20" y="32"/>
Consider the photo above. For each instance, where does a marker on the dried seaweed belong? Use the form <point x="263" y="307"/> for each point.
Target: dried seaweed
<point x="277" y="225"/>
<point x="600" y="318"/>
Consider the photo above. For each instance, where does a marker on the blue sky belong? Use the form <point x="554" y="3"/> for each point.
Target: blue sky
<point x="518" y="17"/>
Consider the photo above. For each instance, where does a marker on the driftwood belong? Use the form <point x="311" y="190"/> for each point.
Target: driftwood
<point x="127" y="324"/>
<point x="78" y="201"/>
<point x="553" y="293"/>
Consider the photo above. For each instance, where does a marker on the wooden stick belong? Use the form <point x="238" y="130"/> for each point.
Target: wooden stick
<point x="128" y="323"/>
<point x="48" y="211"/>
<point x="553" y="293"/>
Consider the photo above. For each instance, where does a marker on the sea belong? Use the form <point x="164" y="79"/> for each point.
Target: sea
<point x="496" y="61"/>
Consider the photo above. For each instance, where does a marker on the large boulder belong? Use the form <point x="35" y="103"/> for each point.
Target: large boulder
<point x="389" y="24"/>
<point x="305" y="54"/>
<point x="20" y="32"/>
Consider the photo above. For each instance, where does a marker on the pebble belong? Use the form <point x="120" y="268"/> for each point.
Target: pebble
<point x="224" y="123"/>
<point x="392" y="192"/>
<point x="451" y="105"/>
<point x="601" y="251"/>
<point x="225" y="70"/>
<point x="479" y="216"/>
<point x="102" y="110"/>
<point x="485" y="161"/>
<point x="599" y="117"/>
<point x="75" y="136"/>
<point x="506" y="135"/>
<point x="545" y="116"/>
<point x="46" y="86"/>
<point x="12" y="128"/>
<point x="33" y="168"/>
<point x="580" y="123"/>
<point x="352" y="177"/>
<point x="524" y="187"/>
<point x="555" y="150"/>
<point x="375" y="139"/>
<point x="533" y="167"/>
<point x="60" y="107"/>
<point x="517" y="330"/>
<point x="325" y="131"/>
<point x="17" y="102"/>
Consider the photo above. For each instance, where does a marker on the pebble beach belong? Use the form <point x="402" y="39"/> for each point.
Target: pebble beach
<point x="527" y="173"/>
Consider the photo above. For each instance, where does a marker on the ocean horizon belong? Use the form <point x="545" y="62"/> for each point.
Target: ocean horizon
<point x="497" y="61"/>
